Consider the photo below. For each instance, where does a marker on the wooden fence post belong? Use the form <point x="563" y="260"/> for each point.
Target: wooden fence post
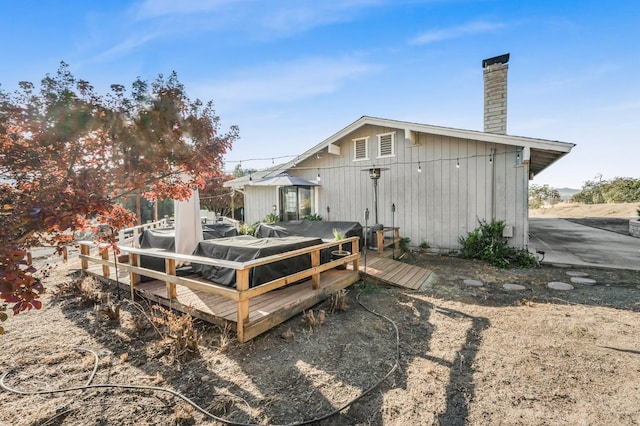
<point x="315" y="261"/>
<point x="105" y="268"/>
<point x="170" y="269"/>
<point x="134" y="278"/>
<point x="242" y="285"/>
<point x="85" y="250"/>
<point x="355" y="248"/>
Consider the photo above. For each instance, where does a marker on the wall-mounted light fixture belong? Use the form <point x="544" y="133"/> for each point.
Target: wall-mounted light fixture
<point x="419" y="168"/>
<point x="318" y="175"/>
<point x="457" y="163"/>
<point x="274" y="207"/>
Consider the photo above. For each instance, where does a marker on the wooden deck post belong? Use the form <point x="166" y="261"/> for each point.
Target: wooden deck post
<point x="355" y="248"/>
<point x="105" y="268"/>
<point x="170" y="269"/>
<point x="242" y="285"/>
<point x="86" y="251"/>
<point x="380" y="235"/>
<point x="315" y="261"/>
<point x="134" y="279"/>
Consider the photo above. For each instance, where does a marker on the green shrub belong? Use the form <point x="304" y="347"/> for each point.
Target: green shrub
<point x="404" y="244"/>
<point x="314" y="217"/>
<point x="487" y="243"/>
<point x="424" y="245"/>
<point x="272" y="218"/>
<point x="246" y="229"/>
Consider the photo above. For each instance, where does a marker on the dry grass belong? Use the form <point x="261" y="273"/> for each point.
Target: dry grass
<point x="338" y="301"/>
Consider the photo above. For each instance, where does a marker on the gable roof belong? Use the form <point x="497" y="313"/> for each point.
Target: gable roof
<point x="542" y="152"/>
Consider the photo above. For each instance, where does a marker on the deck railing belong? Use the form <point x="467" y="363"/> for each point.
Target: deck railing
<point x="241" y="294"/>
<point x="394" y="241"/>
<point x="128" y="236"/>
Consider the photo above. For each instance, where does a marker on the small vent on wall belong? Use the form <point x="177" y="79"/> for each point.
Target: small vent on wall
<point x="361" y="149"/>
<point x="386" y="145"/>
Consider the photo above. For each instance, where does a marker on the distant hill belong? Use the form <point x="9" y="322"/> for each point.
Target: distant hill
<point x="566" y="193"/>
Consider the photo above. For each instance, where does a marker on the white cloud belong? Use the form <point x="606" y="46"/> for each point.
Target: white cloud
<point x="286" y="82"/>
<point x="558" y="84"/>
<point x="624" y="106"/>
<point x="471" y="28"/>
<point x="127" y="45"/>
<point x="157" y="8"/>
<point x="300" y="16"/>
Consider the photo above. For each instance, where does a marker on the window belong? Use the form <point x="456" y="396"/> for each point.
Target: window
<point x="296" y="202"/>
<point x="361" y="149"/>
<point x="386" y="145"/>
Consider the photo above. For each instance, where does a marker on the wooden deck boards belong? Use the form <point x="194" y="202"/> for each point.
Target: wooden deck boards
<point x="272" y="308"/>
<point x="394" y="272"/>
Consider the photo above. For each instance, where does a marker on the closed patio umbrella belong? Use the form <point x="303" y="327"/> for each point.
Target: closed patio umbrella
<point x="187" y="224"/>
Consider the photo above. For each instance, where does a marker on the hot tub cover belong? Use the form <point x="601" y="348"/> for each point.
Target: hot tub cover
<point x="219" y="230"/>
<point x="244" y="248"/>
<point x="311" y="228"/>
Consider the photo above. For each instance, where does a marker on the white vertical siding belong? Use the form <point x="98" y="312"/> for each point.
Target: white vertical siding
<point x="258" y="202"/>
<point x="436" y="206"/>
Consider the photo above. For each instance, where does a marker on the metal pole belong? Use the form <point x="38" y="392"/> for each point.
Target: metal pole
<point x="375" y="199"/>
<point x="393" y="225"/>
<point x="366" y="227"/>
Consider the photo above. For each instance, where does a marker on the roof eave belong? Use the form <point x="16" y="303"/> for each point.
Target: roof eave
<point x="544" y="144"/>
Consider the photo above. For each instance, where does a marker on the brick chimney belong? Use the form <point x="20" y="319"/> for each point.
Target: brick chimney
<point x="495" y="94"/>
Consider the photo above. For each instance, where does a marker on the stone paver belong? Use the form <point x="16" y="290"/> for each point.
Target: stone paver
<point x="473" y="283"/>
<point x="513" y="287"/>
<point x="577" y="274"/>
<point x="556" y="285"/>
<point x="581" y="280"/>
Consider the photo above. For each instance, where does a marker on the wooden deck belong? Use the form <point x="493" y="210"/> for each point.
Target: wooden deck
<point x="265" y="311"/>
<point x="393" y="272"/>
<point x="249" y="311"/>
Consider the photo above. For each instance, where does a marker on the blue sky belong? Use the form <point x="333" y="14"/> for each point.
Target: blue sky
<point x="292" y="73"/>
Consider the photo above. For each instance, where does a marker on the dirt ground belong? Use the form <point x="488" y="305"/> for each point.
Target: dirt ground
<point x="465" y="355"/>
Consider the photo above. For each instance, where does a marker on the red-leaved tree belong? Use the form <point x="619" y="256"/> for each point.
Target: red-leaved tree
<point x="67" y="154"/>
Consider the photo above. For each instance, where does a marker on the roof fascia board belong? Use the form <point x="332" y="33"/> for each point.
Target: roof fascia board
<point x="564" y="147"/>
<point x="474" y="135"/>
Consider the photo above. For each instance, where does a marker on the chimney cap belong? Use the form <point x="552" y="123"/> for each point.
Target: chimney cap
<point x="502" y="59"/>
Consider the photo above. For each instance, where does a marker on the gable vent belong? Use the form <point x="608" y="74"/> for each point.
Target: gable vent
<point x="385" y="145"/>
<point x="361" y="149"/>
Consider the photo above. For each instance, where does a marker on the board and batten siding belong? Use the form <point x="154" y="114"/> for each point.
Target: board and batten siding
<point x="259" y="202"/>
<point x="435" y="206"/>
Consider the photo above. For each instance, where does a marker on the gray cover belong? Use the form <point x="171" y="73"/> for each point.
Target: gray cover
<point x="311" y="228"/>
<point x="244" y="248"/>
<point x="159" y="238"/>
<point x="218" y="230"/>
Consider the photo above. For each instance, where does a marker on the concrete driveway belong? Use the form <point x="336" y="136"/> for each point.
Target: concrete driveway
<point x="567" y="243"/>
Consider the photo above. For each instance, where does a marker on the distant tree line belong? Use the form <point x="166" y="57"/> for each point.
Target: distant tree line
<point x="542" y="194"/>
<point x="616" y="190"/>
